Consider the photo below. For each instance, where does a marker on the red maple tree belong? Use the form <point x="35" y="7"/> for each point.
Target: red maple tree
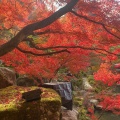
<point x="38" y="37"/>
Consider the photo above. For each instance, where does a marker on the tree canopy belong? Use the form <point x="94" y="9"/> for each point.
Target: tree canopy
<point x="38" y="37"/>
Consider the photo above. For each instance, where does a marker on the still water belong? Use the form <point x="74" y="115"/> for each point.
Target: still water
<point x="107" y="116"/>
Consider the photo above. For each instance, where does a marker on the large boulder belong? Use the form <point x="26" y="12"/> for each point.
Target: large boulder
<point x="13" y="107"/>
<point x="7" y="77"/>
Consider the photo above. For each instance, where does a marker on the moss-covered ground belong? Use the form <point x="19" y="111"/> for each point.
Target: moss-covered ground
<point x="13" y="107"/>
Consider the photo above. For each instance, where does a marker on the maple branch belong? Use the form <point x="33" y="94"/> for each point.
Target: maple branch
<point x="102" y="53"/>
<point x="55" y="32"/>
<point x="81" y="47"/>
<point x="103" y="25"/>
<point x="44" y="54"/>
<point x="32" y="44"/>
<point x="13" y="43"/>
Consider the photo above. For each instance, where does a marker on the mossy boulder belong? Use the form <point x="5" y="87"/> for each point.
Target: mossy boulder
<point x="13" y="107"/>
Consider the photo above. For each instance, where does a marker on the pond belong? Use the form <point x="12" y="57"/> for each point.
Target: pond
<point x="107" y="116"/>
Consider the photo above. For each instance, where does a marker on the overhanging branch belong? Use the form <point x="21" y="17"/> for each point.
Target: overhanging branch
<point x="42" y="54"/>
<point x="65" y="49"/>
<point x="13" y="43"/>
<point x="85" y="48"/>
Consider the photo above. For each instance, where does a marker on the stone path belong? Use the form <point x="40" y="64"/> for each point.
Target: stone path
<point x="68" y="114"/>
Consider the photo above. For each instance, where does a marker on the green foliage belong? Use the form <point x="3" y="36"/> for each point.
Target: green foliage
<point x="81" y="74"/>
<point x="82" y="111"/>
<point x="62" y="70"/>
<point x="6" y="34"/>
<point x="83" y="114"/>
<point x="38" y="39"/>
<point x="76" y="83"/>
<point x="78" y="101"/>
<point x="91" y="80"/>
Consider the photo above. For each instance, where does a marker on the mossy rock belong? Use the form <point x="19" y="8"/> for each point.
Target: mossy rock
<point x="13" y="107"/>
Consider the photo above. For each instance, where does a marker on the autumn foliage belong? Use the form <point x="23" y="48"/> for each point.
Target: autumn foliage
<point x="105" y="75"/>
<point x="39" y="37"/>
